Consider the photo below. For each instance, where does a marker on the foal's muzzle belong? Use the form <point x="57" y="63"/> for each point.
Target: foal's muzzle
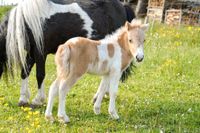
<point x="139" y="58"/>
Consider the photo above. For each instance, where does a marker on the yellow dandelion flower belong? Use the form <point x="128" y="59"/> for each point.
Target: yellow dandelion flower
<point x="36" y="113"/>
<point x="178" y="43"/>
<point x="30" y="131"/>
<point x="189" y="28"/>
<point x="2" y="98"/>
<point x="10" y="118"/>
<point x="177" y="35"/>
<point x="36" y="123"/>
<point x="27" y="109"/>
<point x="37" y="119"/>
<point x="32" y="124"/>
<point x="28" y="117"/>
<point x="6" y="104"/>
<point x="27" y="129"/>
<point x="38" y="126"/>
<point x="30" y="112"/>
<point x="169" y="62"/>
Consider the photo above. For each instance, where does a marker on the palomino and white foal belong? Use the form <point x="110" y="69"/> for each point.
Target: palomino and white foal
<point x="108" y="58"/>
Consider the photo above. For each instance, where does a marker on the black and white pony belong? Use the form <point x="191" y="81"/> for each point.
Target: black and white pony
<point x="34" y="28"/>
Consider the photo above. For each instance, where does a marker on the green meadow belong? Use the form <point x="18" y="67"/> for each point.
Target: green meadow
<point x="161" y="95"/>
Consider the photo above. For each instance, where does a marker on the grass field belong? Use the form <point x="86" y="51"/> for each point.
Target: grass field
<point x="162" y="95"/>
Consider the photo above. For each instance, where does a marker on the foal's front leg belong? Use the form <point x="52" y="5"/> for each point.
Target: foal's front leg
<point x="103" y="87"/>
<point x="114" y="82"/>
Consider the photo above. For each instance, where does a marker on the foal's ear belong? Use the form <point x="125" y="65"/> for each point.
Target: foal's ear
<point x="144" y="27"/>
<point x="128" y="25"/>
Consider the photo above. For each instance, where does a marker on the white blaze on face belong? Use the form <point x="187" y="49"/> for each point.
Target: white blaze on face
<point x="140" y="52"/>
<point x="137" y="39"/>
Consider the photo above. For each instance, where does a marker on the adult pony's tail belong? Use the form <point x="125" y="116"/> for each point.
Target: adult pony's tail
<point x="130" y="15"/>
<point x="27" y="14"/>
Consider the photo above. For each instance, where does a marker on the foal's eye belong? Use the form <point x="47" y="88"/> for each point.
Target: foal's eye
<point x="130" y="41"/>
<point x="144" y="40"/>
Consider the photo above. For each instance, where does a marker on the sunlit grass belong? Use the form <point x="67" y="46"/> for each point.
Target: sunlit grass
<point x="163" y="94"/>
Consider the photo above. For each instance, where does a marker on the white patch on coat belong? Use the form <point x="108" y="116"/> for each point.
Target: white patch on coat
<point x="73" y="8"/>
<point x="103" y="56"/>
<point x="24" y="92"/>
<point x="102" y="51"/>
<point x="40" y="97"/>
<point x="95" y="67"/>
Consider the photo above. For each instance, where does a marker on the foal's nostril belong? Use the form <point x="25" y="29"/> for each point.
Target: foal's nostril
<point x="139" y="58"/>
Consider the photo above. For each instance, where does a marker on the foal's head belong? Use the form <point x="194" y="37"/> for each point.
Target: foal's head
<point x="136" y="37"/>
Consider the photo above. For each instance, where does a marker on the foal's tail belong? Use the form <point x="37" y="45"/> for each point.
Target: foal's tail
<point x="62" y="58"/>
<point x="129" y="13"/>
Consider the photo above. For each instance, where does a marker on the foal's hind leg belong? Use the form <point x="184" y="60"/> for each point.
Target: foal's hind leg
<point x="64" y="88"/>
<point x="104" y="85"/>
<point x="53" y="91"/>
<point x="25" y="92"/>
<point x="40" y="75"/>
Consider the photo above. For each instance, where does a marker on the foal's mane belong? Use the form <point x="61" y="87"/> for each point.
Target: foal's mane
<point x="114" y="36"/>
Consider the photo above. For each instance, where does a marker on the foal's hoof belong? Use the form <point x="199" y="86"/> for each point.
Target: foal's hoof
<point x="23" y="104"/>
<point x="49" y="118"/>
<point x="114" y="115"/>
<point x="63" y="119"/>
<point x="97" y="110"/>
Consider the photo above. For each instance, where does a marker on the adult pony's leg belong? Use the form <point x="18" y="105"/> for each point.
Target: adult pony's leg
<point x="40" y="75"/>
<point x="24" y="92"/>
<point x="104" y="86"/>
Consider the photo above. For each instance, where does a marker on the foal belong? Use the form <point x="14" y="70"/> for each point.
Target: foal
<point x="108" y="57"/>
